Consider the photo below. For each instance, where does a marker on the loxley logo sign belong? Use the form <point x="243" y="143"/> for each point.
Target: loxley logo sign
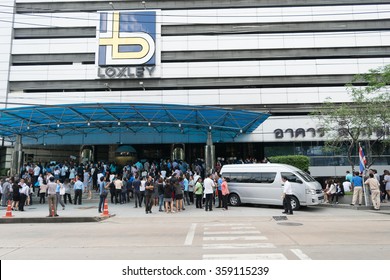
<point x="128" y="38"/>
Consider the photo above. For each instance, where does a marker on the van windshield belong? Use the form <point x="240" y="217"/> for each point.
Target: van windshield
<point x="306" y="176"/>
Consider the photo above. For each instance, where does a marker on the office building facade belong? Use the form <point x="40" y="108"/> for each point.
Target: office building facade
<point x="281" y="57"/>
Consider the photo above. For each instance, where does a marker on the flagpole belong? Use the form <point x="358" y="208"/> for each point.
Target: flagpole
<point x="364" y="190"/>
<point x="362" y="167"/>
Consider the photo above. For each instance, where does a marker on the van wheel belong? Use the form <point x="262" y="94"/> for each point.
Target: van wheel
<point x="234" y="199"/>
<point x="295" y="203"/>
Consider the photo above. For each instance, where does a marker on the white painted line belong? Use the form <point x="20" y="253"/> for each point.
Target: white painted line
<point x="238" y="246"/>
<point x="241" y="228"/>
<point x="231" y="232"/>
<point x="226" y="225"/>
<point x="245" y="257"/>
<point x="190" y="235"/>
<point x="232" y="238"/>
<point x="231" y="228"/>
<point x="300" y="254"/>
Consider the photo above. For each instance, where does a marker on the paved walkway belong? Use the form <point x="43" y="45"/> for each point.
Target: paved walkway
<point x="88" y="211"/>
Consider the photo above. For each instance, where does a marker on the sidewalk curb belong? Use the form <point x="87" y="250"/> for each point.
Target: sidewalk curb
<point x="47" y="220"/>
<point x="356" y="207"/>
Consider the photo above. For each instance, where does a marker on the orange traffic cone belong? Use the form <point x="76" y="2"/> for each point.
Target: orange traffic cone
<point x="8" y="214"/>
<point x="105" y="209"/>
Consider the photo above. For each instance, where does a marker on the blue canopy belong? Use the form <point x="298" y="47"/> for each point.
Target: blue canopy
<point x="38" y="123"/>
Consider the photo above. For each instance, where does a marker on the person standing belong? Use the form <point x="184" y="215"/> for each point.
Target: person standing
<point x="332" y="191"/>
<point x="42" y="191"/>
<point x="357" y="186"/>
<point x="52" y="197"/>
<point x="287" y="195"/>
<point x="199" y="193"/>
<point x="191" y="185"/>
<point x="168" y="192"/>
<point x="348" y="176"/>
<point x="24" y="191"/>
<point x="15" y="195"/>
<point x="386" y="180"/>
<point x="160" y="188"/>
<point x="149" y="190"/>
<point x="177" y="185"/>
<point x="383" y="186"/>
<point x="186" y="190"/>
<point x="102" y="193"/>
<point x="78" y="191"/>
<point x="67" y="195"/>
<point x="72" y="173"/>
<point x="7" y="192"/>
<point x="136" y="189"/>
<point x="142" y="191"/>
<point x="129" y="189"/>
<point x="209" y="186"/>
<point x="86" y="178"/>
<point x="95" y="182"/>
<point x="118" y="190"/>
<point x="36" y="172"/>
<point x="60" y="192"/>
<point x="219" y="191"/>
<point x="225" y="193"/>
<point x="374" y="185"/>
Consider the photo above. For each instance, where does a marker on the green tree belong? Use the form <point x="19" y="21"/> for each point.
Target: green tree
<point x="364" y="119"/>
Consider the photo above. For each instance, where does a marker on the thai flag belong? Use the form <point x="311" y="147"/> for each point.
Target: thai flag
<point x="362" y="159"/>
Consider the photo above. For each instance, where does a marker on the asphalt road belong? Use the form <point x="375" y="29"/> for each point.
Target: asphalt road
<point x="246" y="232"/>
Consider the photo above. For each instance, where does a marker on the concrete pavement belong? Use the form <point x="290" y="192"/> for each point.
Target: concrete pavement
<point x="249" y="232"/>
<point x="88" y="211"/>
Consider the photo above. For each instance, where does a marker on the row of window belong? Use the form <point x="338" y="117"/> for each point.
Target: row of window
<point x="258" y="177"/>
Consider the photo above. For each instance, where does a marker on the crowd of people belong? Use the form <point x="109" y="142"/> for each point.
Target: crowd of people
<point x="378" y="188"/>
<point x="168" y="185"/>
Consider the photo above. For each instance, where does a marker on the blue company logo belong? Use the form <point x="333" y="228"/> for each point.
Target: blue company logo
<point x="127" y="38"/>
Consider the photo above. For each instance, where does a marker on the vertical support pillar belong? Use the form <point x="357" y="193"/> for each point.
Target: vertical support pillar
<point x="17" y="156"/>
<point x="209" y="154"/>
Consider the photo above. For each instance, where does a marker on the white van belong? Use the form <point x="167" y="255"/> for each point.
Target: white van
<point x="262" y="184"/>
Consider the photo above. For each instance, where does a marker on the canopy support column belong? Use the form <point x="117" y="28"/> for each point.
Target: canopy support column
<point x="17" y="156"/>
<point x="209" y="154"/>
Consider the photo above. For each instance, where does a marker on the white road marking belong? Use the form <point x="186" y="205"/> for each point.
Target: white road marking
<point x="190" y="235"/>
<point x="231" y="232"/>
<point x="238" y="246"/>
<point x="226" y="225"/>
<point x="232" y="238"/>
<point x="241" y="228"/>
<point x="275" y="256"/>
<point x="300" y="254"/>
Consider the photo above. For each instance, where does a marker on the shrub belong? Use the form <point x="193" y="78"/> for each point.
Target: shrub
<point x="301" y="162"/>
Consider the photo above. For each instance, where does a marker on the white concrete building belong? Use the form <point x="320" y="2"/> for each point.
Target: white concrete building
<point x="281" y="57"/>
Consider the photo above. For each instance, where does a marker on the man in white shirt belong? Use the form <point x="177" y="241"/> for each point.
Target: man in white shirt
<point x="287" y="195"/>
<point x="347" y="186"/>
<point x="37" y="171"/>
<point x="209" y="186"/>
<point x="24" y="191"/>
<point x="100" y="175"/>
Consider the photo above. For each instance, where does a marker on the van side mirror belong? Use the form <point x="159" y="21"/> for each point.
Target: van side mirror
<point x="299" y="181"/>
